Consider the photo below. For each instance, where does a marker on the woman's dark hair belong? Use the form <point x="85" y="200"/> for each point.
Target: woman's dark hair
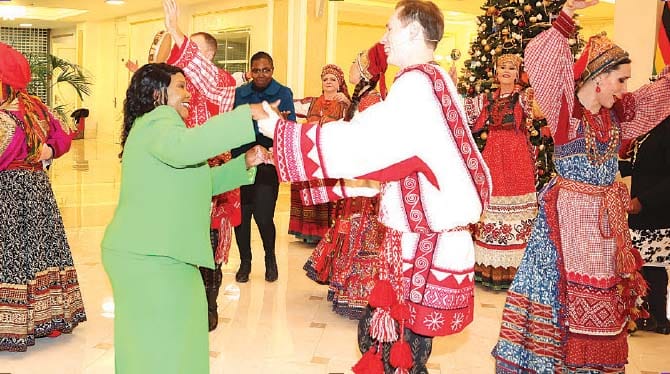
<point x="147" y="90"/>
<point x="362" y="88"/>
<point x="259" y="55"/>
<point x="613" y="67"/>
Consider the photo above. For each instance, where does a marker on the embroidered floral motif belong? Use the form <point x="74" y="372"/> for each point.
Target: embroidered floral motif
<point x="457" y="321"/>
<point x="434" y="321"/>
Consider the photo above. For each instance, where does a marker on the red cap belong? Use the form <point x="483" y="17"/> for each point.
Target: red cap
<point x="14" y="68"/>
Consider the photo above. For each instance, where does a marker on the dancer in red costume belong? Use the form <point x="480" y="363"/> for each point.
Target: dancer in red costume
<point x="347" y="255"/>
<point x="434" y="185"/>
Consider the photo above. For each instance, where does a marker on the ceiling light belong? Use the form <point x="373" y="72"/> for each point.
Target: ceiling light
<point x="115" y="2"/>
<point x="25" y="25"/>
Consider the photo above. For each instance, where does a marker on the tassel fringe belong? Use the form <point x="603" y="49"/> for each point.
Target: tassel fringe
<point x="382" y="326"/>
<point x="370" y="363"/>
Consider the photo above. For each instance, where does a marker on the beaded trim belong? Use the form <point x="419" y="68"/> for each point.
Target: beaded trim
<point x="7" y="130"/>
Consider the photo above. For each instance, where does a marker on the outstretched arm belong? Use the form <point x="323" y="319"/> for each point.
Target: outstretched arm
<point x="179" y="146"/>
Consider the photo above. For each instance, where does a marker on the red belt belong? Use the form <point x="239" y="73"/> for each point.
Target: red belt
<point x="23" y="165"/>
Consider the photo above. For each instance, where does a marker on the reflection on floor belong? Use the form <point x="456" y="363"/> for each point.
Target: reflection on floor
<point x="282" y="327"/>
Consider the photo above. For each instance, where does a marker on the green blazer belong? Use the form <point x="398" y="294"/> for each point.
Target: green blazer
<point x="167" y="185"/>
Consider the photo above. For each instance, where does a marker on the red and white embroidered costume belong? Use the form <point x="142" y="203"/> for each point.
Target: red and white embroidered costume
<point x="212" y="92"/>
<point x="433" y="184"/>
<point x="576" y="287"/>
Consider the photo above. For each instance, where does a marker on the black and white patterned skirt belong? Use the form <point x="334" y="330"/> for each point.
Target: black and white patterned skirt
<point x="654" y="245"/>
<point x="39" y="290"/>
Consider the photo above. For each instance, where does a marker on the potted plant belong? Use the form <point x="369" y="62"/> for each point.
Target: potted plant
<point x="52" y="71"/>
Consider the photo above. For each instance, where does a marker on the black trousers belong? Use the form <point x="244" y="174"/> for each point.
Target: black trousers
<point x="657" y="278"/>
<point x="259" y="200"/>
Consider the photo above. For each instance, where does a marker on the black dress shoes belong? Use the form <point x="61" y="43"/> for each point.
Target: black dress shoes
<point x="271" y="273"/>
<point x="242" y="275"/>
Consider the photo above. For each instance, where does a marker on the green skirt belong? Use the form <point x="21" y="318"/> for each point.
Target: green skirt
<point x="160" y="312"/>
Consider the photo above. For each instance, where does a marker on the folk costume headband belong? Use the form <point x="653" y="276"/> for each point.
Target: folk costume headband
<point x="337" y="72"/>
<point x="372" y="66"/>
<point x="514" y="59"/>
<point x="599" y="54"/>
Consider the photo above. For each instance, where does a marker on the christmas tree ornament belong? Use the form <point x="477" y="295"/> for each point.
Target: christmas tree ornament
<point x="533" y="19"/>
<point x="487" y="48"/>
<point x="500" y="20"/>
<point x="539" y="17"/>
<point x="491" y="11"/>
<point x="505" y="31"/>
<point x="484" y="135"/>
<point x="541" y="147"/>
<point x="527" y="8"/>
<point x="538" y="4"/>
<point x="483" y="41"/>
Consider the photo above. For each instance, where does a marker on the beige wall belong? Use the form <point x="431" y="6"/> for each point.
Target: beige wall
<point x="317" y="27"/>
<point x="298" y="36"/>
<point x="635" y="27"/>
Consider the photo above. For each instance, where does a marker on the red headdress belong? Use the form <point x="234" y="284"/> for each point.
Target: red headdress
<point x="339" y="74"/>
<point x="599" y="54"/>
<point x="372" y="65"/>
<point x="14" y="68"/>
<point x="14" y="78"/>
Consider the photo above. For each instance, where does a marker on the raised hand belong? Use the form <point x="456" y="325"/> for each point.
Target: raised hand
<point x="452" y="74"/>
<point x="132" y="66"/>
<point x="571" y="5"/>
<point x="171" y="11"/>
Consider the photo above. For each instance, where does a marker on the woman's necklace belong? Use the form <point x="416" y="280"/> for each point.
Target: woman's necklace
<point x="594" y="133"/>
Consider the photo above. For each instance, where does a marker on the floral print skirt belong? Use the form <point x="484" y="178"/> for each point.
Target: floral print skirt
<point x="39" y="289"/>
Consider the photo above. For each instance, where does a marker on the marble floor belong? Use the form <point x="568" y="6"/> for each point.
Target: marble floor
<point x="283" y="327"/>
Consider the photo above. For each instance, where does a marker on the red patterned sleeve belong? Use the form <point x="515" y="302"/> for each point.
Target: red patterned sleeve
<point x="58" y="139"/>
<point x="473" y="108"/>
<point x="549" y="66"/>
<point x="369" y="100"/>
<point x="643" y="109"/>
<point x="217" y="85"/>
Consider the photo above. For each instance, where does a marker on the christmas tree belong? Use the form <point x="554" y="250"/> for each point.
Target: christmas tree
<point x="506" y="28"/>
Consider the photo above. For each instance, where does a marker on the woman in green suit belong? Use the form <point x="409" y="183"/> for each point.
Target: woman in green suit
<point x="160" y="231"/>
